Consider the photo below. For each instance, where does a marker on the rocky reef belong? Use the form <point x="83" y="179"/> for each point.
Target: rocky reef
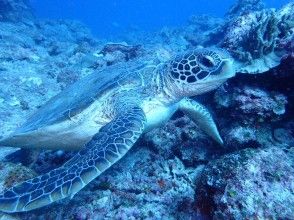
<point x="250" y="184"/>
<point x="15" y="10"/>
<point x="256" y="37"/>
<point x="175" y="171"/>
<point x="241" y="7"/>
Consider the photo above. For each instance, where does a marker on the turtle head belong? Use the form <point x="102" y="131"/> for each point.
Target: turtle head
<point x="199" y="71"/>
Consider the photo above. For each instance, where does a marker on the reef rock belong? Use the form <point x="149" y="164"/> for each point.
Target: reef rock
<point x="113" y="51"/>
<point x="252" y="103"/>
<point x="257" y="38"/>
<point x="200" y="28"/>
<point x="183" y="138"/>
<point x="15" y="10"/>
<point x="242" y="7"/>
<point x="251" y="38"/>
<point x="250" y="184"/>
<point x="157" y="178"/>
<point x="143" y="185"/>
<point x="11" y="174"/>
<point x="40" y="58"/>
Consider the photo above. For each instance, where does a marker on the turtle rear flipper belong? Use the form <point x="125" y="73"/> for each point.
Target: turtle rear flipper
<point x="106" y="147"/>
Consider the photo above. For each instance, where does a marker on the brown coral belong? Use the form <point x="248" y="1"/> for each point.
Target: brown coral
<point x="11" y="174"/>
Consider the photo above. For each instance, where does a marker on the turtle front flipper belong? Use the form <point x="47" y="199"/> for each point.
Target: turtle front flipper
<point x="109" y="145"/>
<point x="201" y="116"/>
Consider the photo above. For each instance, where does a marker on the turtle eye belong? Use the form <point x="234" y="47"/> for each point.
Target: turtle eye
<point x="206" y="61"/>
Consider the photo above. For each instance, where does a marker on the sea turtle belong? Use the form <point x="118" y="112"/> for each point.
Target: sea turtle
<point x="105" y="113"/>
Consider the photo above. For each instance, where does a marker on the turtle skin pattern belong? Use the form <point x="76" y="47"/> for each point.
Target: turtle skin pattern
<point x="105" y="148"/>
<point x="194" y="66"/>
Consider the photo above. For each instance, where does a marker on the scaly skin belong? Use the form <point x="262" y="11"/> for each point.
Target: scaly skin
<point x="132" y="103"/>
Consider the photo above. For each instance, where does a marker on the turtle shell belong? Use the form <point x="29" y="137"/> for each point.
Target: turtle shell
<point x="77" y="97"/>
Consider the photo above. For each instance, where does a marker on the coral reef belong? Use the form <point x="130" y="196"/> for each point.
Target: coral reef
<point x="248" y="184"/>
<point x="200" y="28"/>
<point x="12" y="174"/>
<point x="181" y="137"/>
<point x="40" y="60"/>
<point x="175" y="171"/>
<point x="111" y="51"/>
<point x="242" y="7"/>
<point x="143" y="185"/>
<point x="15" y="10"/>
<point x="256" y="109"/>
<point x="248" y="101"/>
<point x="254" y="33"/>
<point x="256" y="38"/>
<point x="285" y="17"/>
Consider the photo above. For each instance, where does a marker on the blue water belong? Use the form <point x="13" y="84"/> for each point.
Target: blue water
<point x="109" y="18"/>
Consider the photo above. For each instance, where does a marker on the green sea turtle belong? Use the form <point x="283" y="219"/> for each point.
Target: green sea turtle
<point x="105" y="113"/>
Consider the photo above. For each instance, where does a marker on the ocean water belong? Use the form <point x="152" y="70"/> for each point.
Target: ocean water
<point x="109" y="18"/>
<point x="126" y="110"/>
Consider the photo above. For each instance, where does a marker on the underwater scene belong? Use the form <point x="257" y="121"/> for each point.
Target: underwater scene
<point x="126" y="110"/>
